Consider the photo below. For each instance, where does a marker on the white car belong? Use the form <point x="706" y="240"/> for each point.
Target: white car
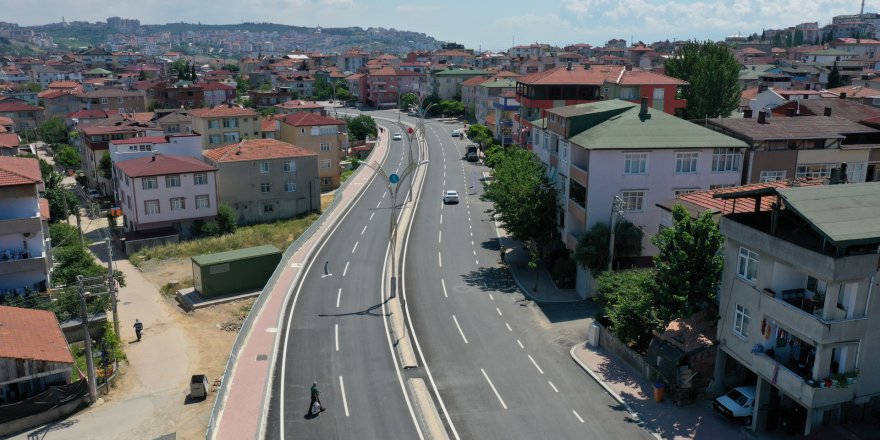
<point x="456" y="133"/>
<point x="737" y="404"/>
<point x="450" y="197"/>
<point x="397" y="137"/>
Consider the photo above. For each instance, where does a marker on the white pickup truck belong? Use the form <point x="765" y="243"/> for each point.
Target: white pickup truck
<point x="737" y="404"/>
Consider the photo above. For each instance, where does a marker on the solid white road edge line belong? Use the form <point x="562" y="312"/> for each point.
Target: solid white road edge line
<point x="493" y="388"/>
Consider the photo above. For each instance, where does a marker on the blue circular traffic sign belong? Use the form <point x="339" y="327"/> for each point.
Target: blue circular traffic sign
<point x="394" y="178"/>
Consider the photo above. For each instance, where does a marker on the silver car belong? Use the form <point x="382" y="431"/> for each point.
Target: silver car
<point x="450" y="196"/>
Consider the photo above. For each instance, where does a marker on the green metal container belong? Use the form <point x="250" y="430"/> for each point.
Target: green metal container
<point x="235" y="271"/>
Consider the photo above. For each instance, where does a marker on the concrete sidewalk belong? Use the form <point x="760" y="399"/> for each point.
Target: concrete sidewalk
<point x="517" y="259"/>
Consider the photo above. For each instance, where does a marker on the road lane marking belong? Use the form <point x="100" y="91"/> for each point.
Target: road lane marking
<point x="493" y="388"/>
<point x="553" y="386"/>
<point x="469" y="219"/>
<point x="444" y="183"/>
<point x="472" y="242"/>
<point x="338" y="297"/>
<point x="378" y="205"/>
<point x="472" y="234"/>
<point x="439" y="258"/>
<point x="520" y="344"/>
<point x="372" y="214"/>
<point x="365" y="227"/>
<point x="499" y="311"/>
<point x="491" y="297"/>
<point x="535" y="364"/>
<point x="384" y="194"/>
<point x="439" y="236"/>
<point x="577" y="415"/>
<point x="344" y="400"/>
<point x="459" y="329"/>
<point x="477" y="262"/>
<point x="441" y="219"/>
<point x="345" y="269"/>
<point x="443" y="284"/>
<point x="336" y="326"/>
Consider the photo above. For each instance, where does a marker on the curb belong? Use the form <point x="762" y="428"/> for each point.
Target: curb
<point x="611" y="392"/>
<point x="525" y="291"/>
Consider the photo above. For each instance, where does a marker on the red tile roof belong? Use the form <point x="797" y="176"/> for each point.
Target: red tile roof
<point x="475" y="81"/>
<point x="9" y="140"/>
<point x="216" y="86"/>
<point x="160" y="164"/>
<point x="299" y="104"/>
<point x="32" y="334"/>
<point x="256" y="149"/>
<point x="562" y="75"/>
<point x="703" y="199"/>
<point x="91" y="130"/>
<point x="88" y="114"/>
<point x="141" y="140"/>
<point x="19" y="171"/>
<point x="63" y="85"/>
<point x="643" y="77"/>
<point x="6" y="106"/>
<point x="855" y="92"/>
<point x="309" y="120"/>
<point x="222" y="111"/>
<point x="268" y="124"/>
<point x="6" y="121"/>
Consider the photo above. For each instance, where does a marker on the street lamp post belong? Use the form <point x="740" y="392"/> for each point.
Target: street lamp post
<point x="617" y="210"/>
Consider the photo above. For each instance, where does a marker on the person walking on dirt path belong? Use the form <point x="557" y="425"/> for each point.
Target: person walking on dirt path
<point x="138" y="328"/>
<point x="316" y="399"/>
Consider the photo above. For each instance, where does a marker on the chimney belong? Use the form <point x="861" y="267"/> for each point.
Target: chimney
<point x="827" y="111"/>
<point x="628" y="67"/>
<point x="762" y="117"/>
<point x="747" y="113"/>
<point x="762" y="88"/>
<point x="568" y="66"/>
<point x="586" y="66"/>
<point x="643" y="111"/>
<point x="791" y="112"/>
<point x="843" y="95"/>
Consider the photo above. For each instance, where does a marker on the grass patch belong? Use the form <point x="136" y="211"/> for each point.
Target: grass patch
<point x="345" y="175"/>
<point x="170" y="289"/>
<point x="326" y="200"/>
<point x="281" y="234"/>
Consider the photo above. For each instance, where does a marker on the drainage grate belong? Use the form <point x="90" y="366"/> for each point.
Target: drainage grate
<point x="262" y="357"/>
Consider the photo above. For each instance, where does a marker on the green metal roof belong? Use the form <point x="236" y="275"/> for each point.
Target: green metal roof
<point x="614" y="126"/>
<point x="238" y="254"/>
<point x="845" y="214"/>
<point x="99" y="71"/>
<point x="454" y="72"/>
<point x="500" y="82"/>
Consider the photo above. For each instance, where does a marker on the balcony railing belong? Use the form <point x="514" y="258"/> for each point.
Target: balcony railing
<point x="506" y="123"/>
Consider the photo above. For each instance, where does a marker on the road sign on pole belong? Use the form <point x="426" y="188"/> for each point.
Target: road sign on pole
<point x="394" y="178"/>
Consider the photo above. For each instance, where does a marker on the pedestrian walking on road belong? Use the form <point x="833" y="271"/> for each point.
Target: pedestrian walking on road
<point x="138" y="328"/>
<point x="326" y="268"/>
<point x="315" y="406"/>
<point x="503" y="254"/>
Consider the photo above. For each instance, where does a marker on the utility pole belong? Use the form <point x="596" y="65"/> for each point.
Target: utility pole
<point x="111" y="284"/>
<point x="616" y="210"/>
<point x="87" y="338"/>
<point x="79" y="227"/>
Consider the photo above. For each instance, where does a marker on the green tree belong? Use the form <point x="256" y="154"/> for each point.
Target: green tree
<point x="834" y="78"/>
<point x="68" y="157"/>
<point x="432" y="99"/>
<point x="451" y="107"/>
<point x="106" y="166"/>
<point x="33" y="87"/>
<point x="480" y="134"/>
<point x="524" y="200"/>
<point x="360" y="127"/>
<point x="798" y="37"/>
<point x="592" y="246"/>
<point x="265" y="87"/>
<point x="409" y="100"/>
<point x="142" y="76"/>
<point x="242" y="85"/>
<point x="628" y="305"/>
<point x="226" y="219"/>
<point x="713" y="74"/>
<point x="688" y="265"/>
<point x="494" y="154"/>
<point x="777" y="39"/>
<point x="53" y="131"/>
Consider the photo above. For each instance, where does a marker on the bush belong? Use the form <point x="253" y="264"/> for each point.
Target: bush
<point x="629" y="306"/>
<point x="68" y="157"/>
<point x="564" y="271"/>
<point x="63" y="234"/>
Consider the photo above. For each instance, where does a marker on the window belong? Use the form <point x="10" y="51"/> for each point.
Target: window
<point x="325" y="146"/>
<point x="686" y="162"/>
<point x="721" y="186"/>
<point x="325" y="164"/>
<point x="683" y="191"/>
<point x="214" y="123"/>
<point x="146" y="148"/>
<point x="104" y="101"/>
<point x="635" y="163"/>
<point x="172" y="181"/>
<point x="289" y="166"/>
<point x="200" y="178"/>
<point x="230" y="137"/>
<point x="151" y="207"/>
<point x="747" y="265"/>
<point x="178" y="203"/>
<point x="149" y="183"/>
<point x="725" y="159"/>
<point x="741" y="321"/>
<point x="120" y="100"/>
<point x="230" y="123"/>
<point x="814" y="171"/>
<point x="328" y="130"/>
<point x="203" y="202"/>
<point x="289" y="187"/>
<point x="769" y="176"/>
<point x="214" y="139"/>
<point x="268" y="208"/>
<point x="633" y="201"/>
<point x="659" y="94"/>
<point x="577" y="193"/>
<point x="264" y="167"/>
<point x="816" y="286"/>
<point x="265" y="187"/>
<point x="126" y="180"/>
<point x="326" y="181"/>
<point x="128" y="201"/>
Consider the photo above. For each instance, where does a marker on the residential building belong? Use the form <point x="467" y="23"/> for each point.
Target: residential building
<point x="114" y="100"/>
<point x="217" y="93"/>
<point x="503" y="122"/>
<point x="269" y="98"/>
<point x="160" y="191"/>
<point x="795" y="308"/>
<point x="175" y="121"/>
<point x="301" y="84"/>
<point x="25" y="116"/>
<point x="469" y="96"/>
<point x="357" y="86"/>
<point x="864" y="95"/>
<point x="297" y="106"/>
<point x="266" y="179"/>
<point x="352" y="60"/>
<point x="571" y="85"/>
<point x="487" y="94"/>
<point x="94" y="142"/>
<point x="803" y="146"/>
<point x="34" y="355"/>
<point x="225" y="124"/>
<point x="597" y="153"/>
<point x="319" y="134"/>
<point x="60" y="103"/>
<point x="446" y="83"/>
<point x="24" y="233"/>
<point x="164" y="95"/>
<point x="183" y="145"/>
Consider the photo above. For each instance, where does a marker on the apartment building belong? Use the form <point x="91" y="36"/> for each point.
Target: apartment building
<point x="446" y="83"/>
<point x="93" y="143"/>
<point x="225" y="124"/>
<point x="160" y="191"/>
<point x="266" y="179"/>
<point x="113" y="100"/>
<point x="319" y="134"/>
<point x="797" y="320"/>
<point x="603" y="151"/>
<point x="24" y="233"/>
<point x="24" y="115"/>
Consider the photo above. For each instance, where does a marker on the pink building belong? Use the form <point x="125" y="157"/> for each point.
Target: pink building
<point x="217" y="93"/>
<point x="166" y="192"/>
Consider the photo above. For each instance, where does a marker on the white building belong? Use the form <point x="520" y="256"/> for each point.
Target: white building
<point x="24" y="259"/>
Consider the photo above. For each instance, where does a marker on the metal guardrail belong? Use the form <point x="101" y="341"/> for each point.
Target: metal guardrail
<point x="248" y="323"/>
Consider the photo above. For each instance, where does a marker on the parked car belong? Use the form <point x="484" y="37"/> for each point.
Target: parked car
<point x="450" y="196"/>
<point x="471" y="153"/>
<point x="456" y="133"/>
<point x="93" y="193"/>
<point x="413" y="113"/>
<point x="737" y="404"/>
<point x="397" y="137"/>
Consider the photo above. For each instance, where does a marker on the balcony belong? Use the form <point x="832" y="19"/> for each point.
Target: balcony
<point x="506" y="123"/>
<point x="20" y="262"/>
<point x="25" y="225"/>
<point x="795" y="386"/>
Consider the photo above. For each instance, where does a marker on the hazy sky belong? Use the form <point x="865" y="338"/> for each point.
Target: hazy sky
<point x="492" y="24"/>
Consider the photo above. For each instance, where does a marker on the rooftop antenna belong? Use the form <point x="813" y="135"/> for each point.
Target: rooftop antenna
<point x="862" y="10"/>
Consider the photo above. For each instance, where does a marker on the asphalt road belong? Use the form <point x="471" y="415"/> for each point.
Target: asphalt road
<point x="496" y="372"/>
<point x="335" y="334"/>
